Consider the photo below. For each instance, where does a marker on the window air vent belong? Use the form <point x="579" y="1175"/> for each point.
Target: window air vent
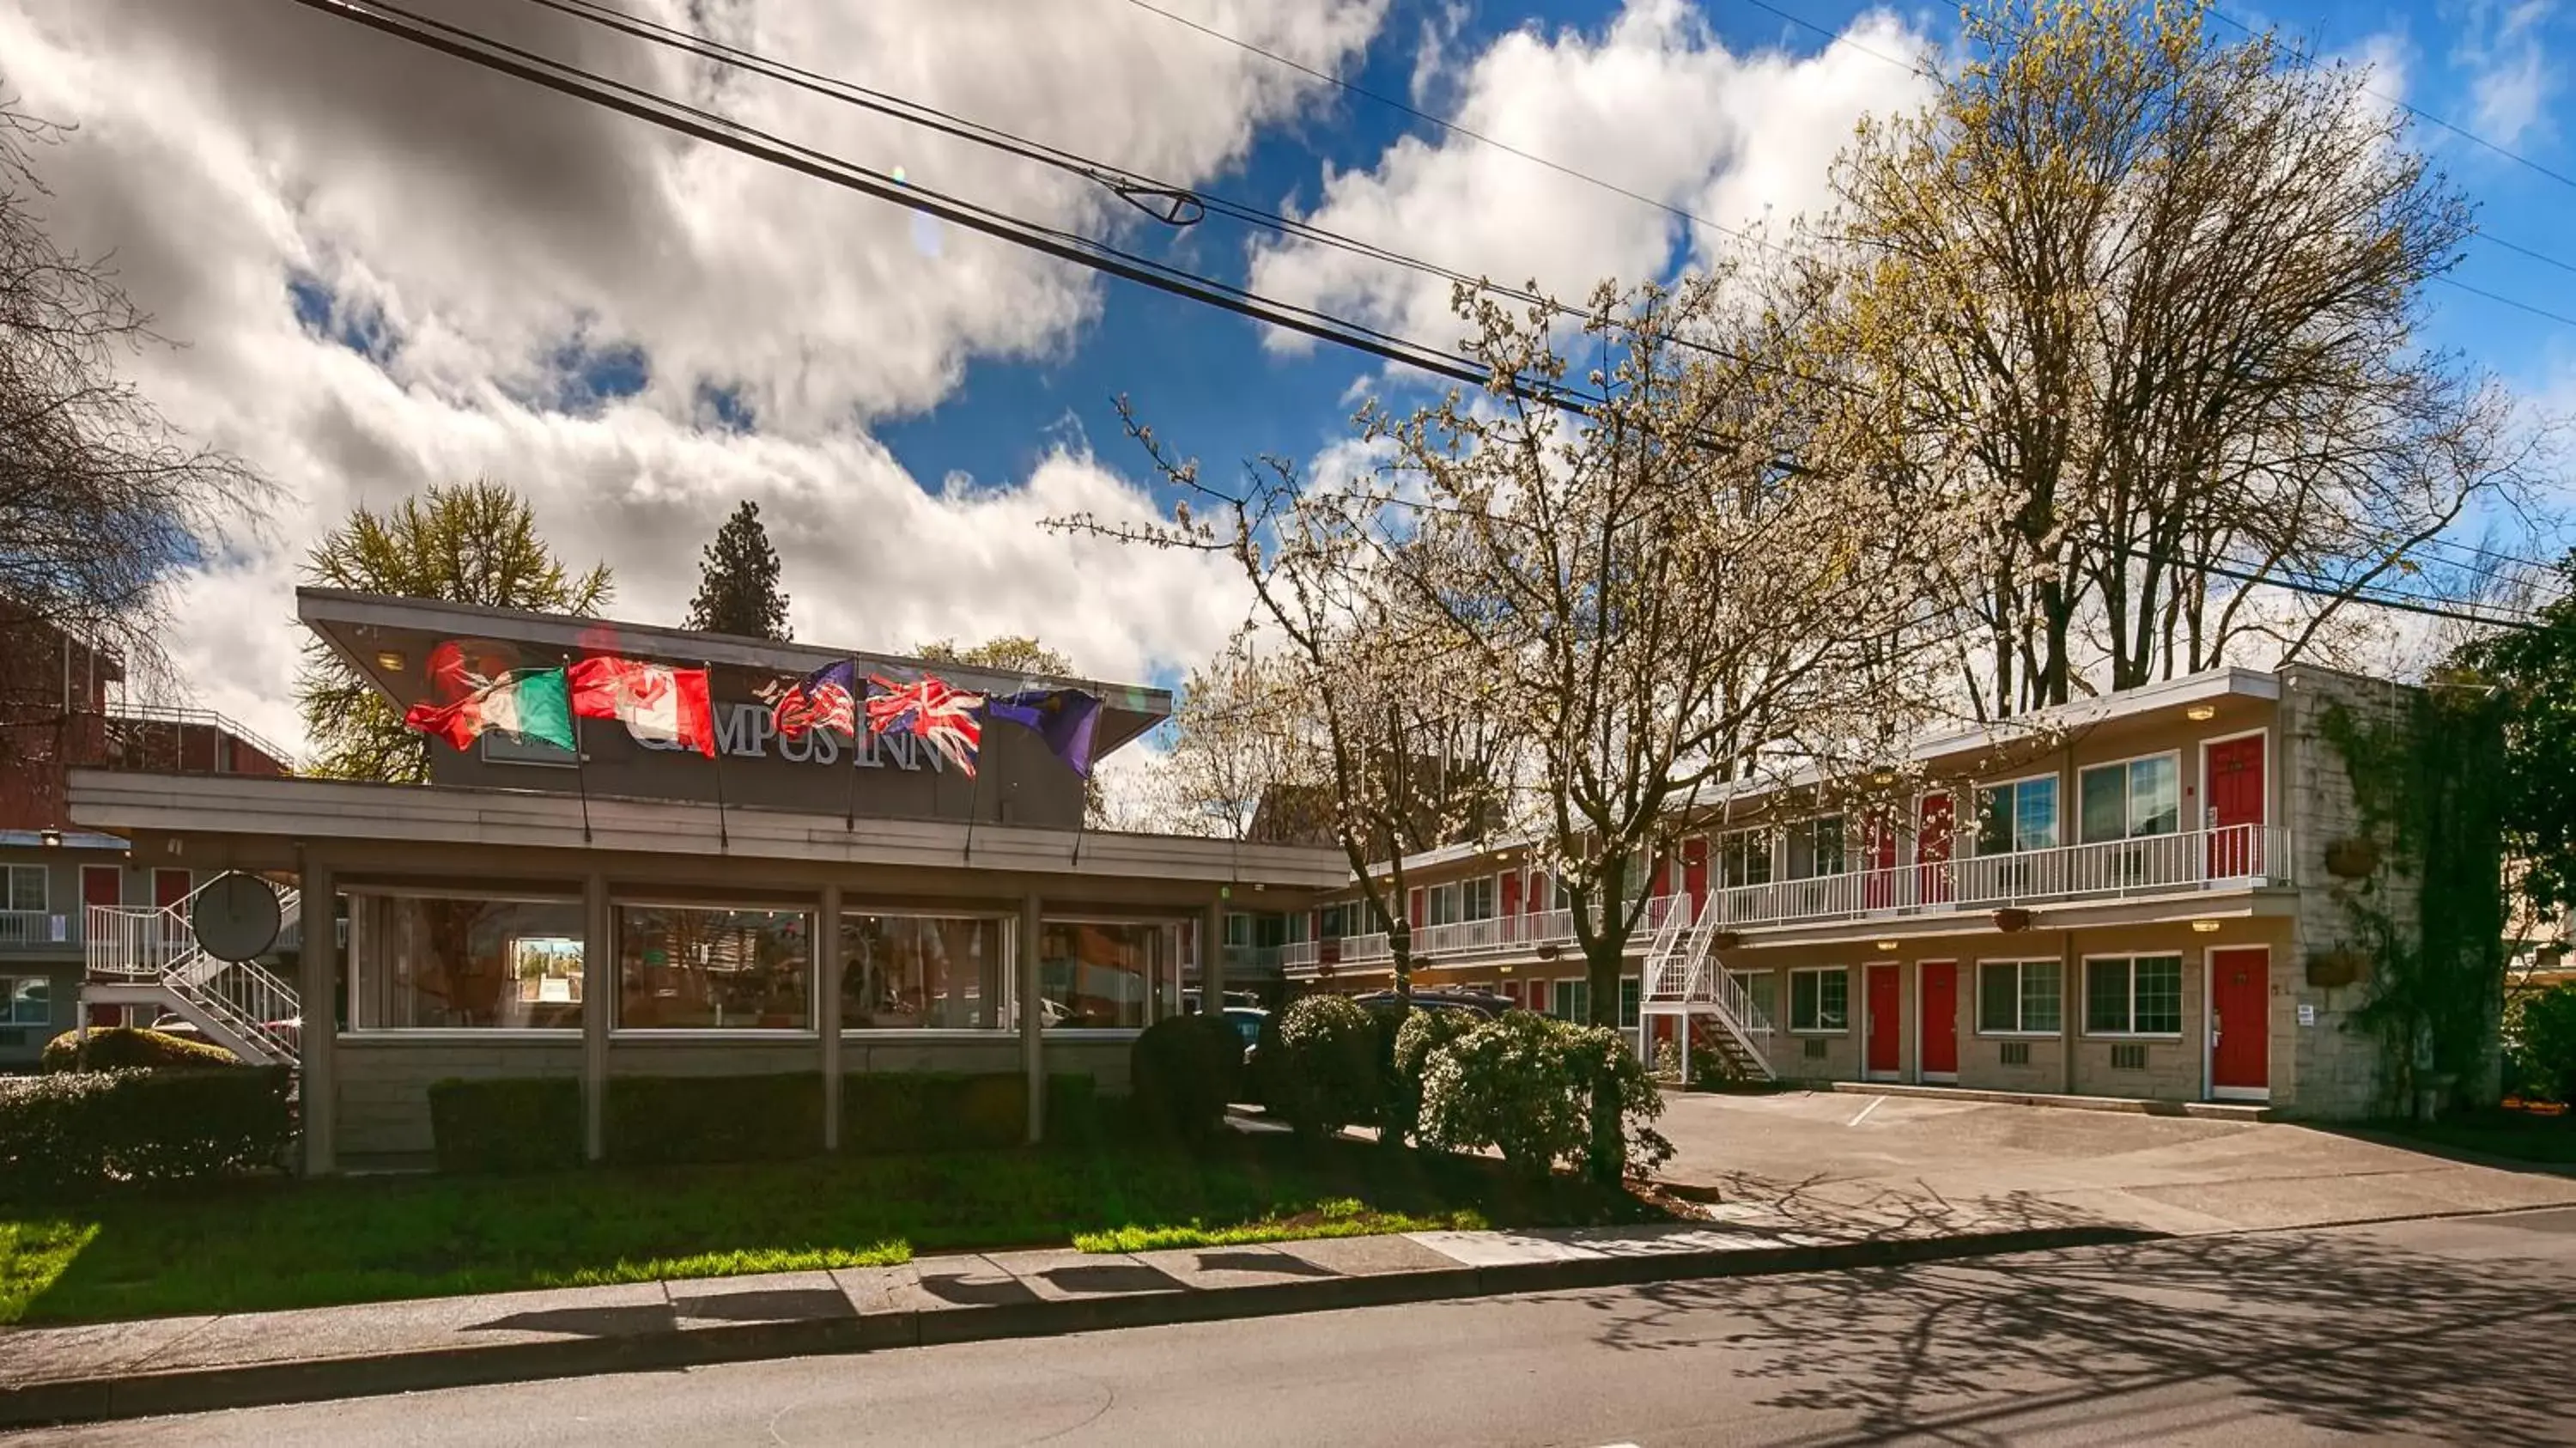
<point x="2131" y="1057"/>
<point x="2016" y="1053"/>
<point x="1815" y="1050"/>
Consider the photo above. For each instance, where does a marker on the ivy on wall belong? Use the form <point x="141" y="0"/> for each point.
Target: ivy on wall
<point x="2428" y="787"/>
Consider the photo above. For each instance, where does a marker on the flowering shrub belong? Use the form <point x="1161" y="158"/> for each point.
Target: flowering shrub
<point x="1523" y="1085"/>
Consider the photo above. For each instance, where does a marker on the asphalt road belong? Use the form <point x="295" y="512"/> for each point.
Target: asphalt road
<point x="2453" y="1330"/>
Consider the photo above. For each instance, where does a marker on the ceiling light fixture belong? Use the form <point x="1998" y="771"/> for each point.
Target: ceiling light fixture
<point x="2204" y="927"/>
<point x="1887" y="945"/>
<point x="2201" y="713"/>
<point x="390" y="662"/>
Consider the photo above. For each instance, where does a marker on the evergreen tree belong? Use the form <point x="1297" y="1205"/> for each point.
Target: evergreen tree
<point x="474" y="543"/>
<point x="738" y="589"/>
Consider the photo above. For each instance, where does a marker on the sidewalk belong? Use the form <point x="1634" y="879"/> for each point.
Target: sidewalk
<point x="192" y="1364"/>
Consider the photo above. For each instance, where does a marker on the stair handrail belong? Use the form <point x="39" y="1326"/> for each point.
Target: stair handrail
<point x="1668" y="938"/>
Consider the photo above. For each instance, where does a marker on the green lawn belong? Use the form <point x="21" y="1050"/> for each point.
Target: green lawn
<point x="2516" y="1135"/>
<point x="279" y="1244"/>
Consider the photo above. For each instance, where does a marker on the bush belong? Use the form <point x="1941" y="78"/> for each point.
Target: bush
<point x="1325" y="1075"/>
<point x="125" y="1048"/>
<point x="1184" y="1072"/>
<point x="1522" y="1084"/>
<point x="72" y="1132"/>
<point x="671" y="1119"/>
<point x="506" y="1124"/>
<point x="1073" y="1111"/>
<point x="898" y="1111"/>
<point x="2540" y="1051"/>
<point x="1422" y="1034"/>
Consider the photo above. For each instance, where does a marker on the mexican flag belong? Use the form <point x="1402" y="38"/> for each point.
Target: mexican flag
<point x="531" y="703"/>
<point x="659" y="705"/>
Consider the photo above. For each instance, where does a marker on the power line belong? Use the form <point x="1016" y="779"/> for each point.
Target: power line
<point x="2559" y="317"/>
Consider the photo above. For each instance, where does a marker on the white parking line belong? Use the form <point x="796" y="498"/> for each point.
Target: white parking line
<point x="1875" y="1102"/>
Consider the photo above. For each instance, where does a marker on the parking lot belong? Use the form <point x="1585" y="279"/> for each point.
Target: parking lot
<point x="1835" y="1156"/>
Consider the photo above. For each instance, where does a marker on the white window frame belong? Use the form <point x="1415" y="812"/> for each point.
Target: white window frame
<point x="2132" y="957"/>
<point x="2021" y="999"/>
<point x="9" y="1001"/>
<point x="1563" y="988"/>
<point x="1005" y="1008"/>
<point x="1440" y="904"/>
<point x="355" y="947"/>
<point x="1766" y="998"/>
<point x="1770" y="856"/>
<point x="1476" y="890"/>
<point x="1632" y="1001"/>
<point x="2128" y="798"/>
<point x="1977" y="813"/>
<point x="44" y="889"/>
<point x="1820" y="1030"/>
<point x="1789" y="853"/>
<point x="812" y="1029"/>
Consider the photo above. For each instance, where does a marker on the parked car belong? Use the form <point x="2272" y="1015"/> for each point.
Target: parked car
<point x="1444" y="998"/>
<point x="1246" y="1021"/>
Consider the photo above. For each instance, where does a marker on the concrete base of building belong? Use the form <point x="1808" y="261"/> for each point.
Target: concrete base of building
<point x="2134" y="1105"/>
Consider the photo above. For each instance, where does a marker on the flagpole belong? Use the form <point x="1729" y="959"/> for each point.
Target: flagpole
<point x="724" y="839"/>
<point x="975" y="792"/>
<point x="858" y="731"/>
<point x="580" y="775"/>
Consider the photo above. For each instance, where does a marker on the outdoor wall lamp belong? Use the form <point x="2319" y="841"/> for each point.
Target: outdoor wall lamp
<point x="2204" y="927"/>
<point x="53" y="839"/>
<point x="1887" y="946"/>
<point x="2201" y="713"/>
<point x="391" y="663"/>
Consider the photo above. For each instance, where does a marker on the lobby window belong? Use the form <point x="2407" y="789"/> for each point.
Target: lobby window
<point x="1820" y="999"/>
<point x="429" y="962"/>
<point x="683" y="967"/>
<point x="1744" y="858"/>
<point x="1106" y="974"/>
<point x="2018" y="998"/>
<point x="2018" y="816"/>
<point x="2133" y="996"/>
<point x="26" y="1000"/>
<point x="925" y="972"/>
<point x="26" y="888"/>
<point x="2133" y="798"/>
<point x="1815" y="848"/>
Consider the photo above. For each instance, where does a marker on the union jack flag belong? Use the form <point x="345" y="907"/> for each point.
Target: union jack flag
<point x="940" y="716"/>
<point x="824" y="699"/>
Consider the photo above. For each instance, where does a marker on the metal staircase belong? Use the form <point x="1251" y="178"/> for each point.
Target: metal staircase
<point x="1684" y="978"/>
<point x="149" y="956"/>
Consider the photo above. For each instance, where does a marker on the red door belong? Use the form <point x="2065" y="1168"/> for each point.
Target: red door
<point x="1695" y="870"/>
<point x="1886" y="1051"/>
<point x="1878" y="857"/>
<point x="102" y="885"/>
<point x="2235" y="809"/>
<point x="1413" y="907"/>
<point x="2240" y="1026"/>
<point x="1940" y="1017"/>
<point x="1508" y="895"/>
<point x="170" y="889"/>
<point x="1932" y="840"/>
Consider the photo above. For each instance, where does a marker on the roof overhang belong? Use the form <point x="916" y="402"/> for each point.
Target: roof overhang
<point x="387" y="641"/>
<point x="160" y="807"/>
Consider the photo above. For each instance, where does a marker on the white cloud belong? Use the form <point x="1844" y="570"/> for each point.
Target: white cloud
<point x="229" y="148"/>
<point x="2511" y="81"/>
<point x="1654" y="103"/>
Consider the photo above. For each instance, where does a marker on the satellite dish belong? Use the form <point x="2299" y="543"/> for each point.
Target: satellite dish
<point x="235" y="916"/>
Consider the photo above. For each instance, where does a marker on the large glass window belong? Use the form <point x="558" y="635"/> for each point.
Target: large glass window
<point x="1632" y="1001"/>
<point x="1762" y="989"/>
<point x="935" y="972"/>
<point x="2018" y="998"/>
<point x="1573" y="1001"/>
<point x="2130" y="799"/>
<point x="1476" y="898"/>
<point x="1444" y="905"/>
<point x="25" y="887"/>
<point x="2018" y="816"/>
<point x="435" y="963"/>
<point x="26" y="1000"/>
<point x="1105" y="973"/>
<point x="688" y="967"/>
<point x="1816" y="848"/>
<point x="2133" y="996"/>
<point x="1820" y="1000"/>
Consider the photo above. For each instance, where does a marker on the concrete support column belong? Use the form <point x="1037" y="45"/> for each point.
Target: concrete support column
<point x="598" y="1000"/>
<point x="827" y="1013"/>
<point x="317" y="989"/>
<point x="1212" y="958"/>
<point x="1032" y="1017"/>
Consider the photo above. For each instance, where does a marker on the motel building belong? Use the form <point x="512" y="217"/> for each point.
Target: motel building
<point x="2127" y="897"/>
<point x="808" y="906"/>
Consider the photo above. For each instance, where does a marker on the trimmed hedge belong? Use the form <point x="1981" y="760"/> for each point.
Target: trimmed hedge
<point x="512" y="1124"/>
<point x="659" y="1120"/>
<point x="1185" y="1070"/>
<point x="128" y="1048"/>
<point x="535" y="1124"/>
<point x="1323" y="1074"/>
<point x="78" y="1131"/>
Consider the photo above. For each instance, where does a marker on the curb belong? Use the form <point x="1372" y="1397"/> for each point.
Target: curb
<point x="2121" y="1105"/>
<point x="252" y="1385"/>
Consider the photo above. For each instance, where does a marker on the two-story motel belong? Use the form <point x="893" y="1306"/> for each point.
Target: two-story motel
<point x="2120" y="898"/>
<point x="816" y="906"/>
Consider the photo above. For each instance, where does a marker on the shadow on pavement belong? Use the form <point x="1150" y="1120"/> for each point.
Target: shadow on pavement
<point x="2342" y="1332"/>
<point x="584" y="1321"/>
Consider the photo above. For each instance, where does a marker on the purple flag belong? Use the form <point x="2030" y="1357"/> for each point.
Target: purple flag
<point x="1062" y="717"/>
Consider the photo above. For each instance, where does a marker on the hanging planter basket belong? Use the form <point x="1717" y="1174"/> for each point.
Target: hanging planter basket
<point x="2340" y="966"/>
<point x="1547" y="950"/>
<point x="2352" y="858"/>
<point x="1726" y="940"/>
<point x="2012" y="918"/>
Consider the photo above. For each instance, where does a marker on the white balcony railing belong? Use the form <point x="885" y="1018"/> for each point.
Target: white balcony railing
<point x="38" y="929"/>
<point x="2232" y="857"/>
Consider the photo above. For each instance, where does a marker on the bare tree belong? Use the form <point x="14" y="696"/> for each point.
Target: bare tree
<point x="102" y="502"/>
<point x="2156" y="298"/>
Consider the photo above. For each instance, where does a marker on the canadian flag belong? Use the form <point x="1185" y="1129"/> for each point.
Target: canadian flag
<point x="656" y="703"/>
